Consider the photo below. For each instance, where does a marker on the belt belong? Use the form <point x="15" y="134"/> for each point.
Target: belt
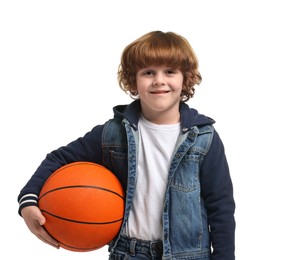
<point x="135" y="246"/>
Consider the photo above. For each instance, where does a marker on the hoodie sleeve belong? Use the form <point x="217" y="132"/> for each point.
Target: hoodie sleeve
<point x="86" y="148"/>
<point x="217" y="192"/>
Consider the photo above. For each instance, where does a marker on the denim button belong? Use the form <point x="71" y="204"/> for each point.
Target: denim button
<point x="157" y="248"/>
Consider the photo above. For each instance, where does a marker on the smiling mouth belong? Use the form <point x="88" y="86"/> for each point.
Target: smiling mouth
<point x="160" y="92"/>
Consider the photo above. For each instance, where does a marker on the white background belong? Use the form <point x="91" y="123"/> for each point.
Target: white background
<point x="58" y="64"/>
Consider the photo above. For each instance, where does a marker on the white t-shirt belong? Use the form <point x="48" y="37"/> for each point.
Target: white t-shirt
<point x="156" y="147"/>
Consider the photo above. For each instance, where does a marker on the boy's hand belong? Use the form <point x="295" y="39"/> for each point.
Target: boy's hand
<point x="35" y="220"/>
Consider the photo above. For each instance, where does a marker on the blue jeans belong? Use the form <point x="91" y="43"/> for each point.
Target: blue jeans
<point x="131" y="248"/>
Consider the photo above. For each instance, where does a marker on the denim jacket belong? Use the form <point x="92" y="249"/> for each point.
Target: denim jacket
<point x="198" y="214"/>
<point x="185" y="220"/>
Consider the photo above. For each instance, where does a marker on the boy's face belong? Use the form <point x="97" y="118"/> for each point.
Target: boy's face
<point x="159" y="89"/>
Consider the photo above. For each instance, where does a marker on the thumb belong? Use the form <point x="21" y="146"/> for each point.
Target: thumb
<point x="41" y="219"/>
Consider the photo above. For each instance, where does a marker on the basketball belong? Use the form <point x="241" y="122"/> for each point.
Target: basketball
<point x="83" y="204"/>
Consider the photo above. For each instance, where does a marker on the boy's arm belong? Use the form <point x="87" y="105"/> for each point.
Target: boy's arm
<point x="86" y="148"/>
<point x="217" y="191"/>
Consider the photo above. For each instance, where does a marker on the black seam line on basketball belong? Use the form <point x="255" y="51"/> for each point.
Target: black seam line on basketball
<point x="81" y="248"/>
<point x="82" y="186"/>
<point x="82" y="222"/>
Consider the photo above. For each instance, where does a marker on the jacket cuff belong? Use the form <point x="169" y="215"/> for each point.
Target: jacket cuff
<point x="27" y="200"/>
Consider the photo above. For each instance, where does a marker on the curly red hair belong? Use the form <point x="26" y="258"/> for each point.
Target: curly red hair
<point x="159" y="48"/>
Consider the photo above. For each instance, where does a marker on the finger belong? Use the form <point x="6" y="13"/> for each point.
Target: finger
<point x="48" y="241"/>
<point x="47" y="238"/>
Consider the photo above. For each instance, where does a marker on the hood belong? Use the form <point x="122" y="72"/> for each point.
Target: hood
<point x="189" y="116"/>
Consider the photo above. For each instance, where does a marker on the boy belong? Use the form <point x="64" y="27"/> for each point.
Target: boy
<point x="168" y="157"/>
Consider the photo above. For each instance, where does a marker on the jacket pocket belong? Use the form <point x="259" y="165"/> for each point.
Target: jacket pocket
<point x="186" y="177"/>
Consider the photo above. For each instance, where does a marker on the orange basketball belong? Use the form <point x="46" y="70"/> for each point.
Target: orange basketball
<point x="83" y="204"/>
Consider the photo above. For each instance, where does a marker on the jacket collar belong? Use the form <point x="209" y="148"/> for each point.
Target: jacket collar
<point x="189" y="116"/>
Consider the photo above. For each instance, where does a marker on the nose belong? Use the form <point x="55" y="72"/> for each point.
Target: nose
<point x="159" y="79"/>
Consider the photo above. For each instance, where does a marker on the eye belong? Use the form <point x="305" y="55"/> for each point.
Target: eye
<point x="148" y="73"/>
<point x="170" y="71"/>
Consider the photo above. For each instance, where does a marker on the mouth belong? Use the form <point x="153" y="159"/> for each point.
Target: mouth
<point x="157" y="92"/>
